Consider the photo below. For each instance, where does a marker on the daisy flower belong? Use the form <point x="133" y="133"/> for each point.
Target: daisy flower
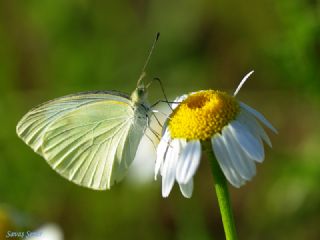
<point x="233" y="129"/>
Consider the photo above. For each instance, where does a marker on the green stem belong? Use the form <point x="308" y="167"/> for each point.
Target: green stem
<point x="222" y="194"/>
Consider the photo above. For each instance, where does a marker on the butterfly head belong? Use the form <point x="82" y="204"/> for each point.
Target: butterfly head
<point x="139" y="95"/>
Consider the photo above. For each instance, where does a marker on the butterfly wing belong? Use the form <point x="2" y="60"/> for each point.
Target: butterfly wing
<point x="35" y="123"/>
<point x="89" y="139"/>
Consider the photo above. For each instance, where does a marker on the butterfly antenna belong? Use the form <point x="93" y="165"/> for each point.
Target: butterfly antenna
<point x="143" y="73"/>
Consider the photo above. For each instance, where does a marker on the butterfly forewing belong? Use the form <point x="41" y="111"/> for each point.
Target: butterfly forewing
<point x="34" y="124"/>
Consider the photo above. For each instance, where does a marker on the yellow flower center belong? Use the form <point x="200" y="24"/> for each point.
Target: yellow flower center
<point x="202" y="115"/>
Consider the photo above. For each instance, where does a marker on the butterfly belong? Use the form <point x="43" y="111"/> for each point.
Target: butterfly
<point x="89" y="138"/>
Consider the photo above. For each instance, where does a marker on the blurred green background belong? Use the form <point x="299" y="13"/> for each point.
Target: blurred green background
<point x="53" y="48"/>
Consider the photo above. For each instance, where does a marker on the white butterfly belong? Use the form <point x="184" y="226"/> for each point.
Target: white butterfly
<point x="89" y="138"/>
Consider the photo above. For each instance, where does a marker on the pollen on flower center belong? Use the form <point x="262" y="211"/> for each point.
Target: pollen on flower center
<point x="202" y="115"/>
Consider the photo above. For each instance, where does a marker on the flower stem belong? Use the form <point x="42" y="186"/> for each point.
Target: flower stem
<point x="222" y="192"/>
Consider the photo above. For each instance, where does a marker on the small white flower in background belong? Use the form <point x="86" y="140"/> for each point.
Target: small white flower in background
<point x="49" y="231"/>
<point x="230" y="125"/>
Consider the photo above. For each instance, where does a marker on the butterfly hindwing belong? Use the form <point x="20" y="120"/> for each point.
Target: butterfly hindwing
<point x="131" y="143"/>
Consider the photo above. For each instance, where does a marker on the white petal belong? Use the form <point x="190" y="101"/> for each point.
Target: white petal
<point x="161" y="151"/>
<point x="249" y="143"/>
<point x="187" y="189"/>
<point x="169" y="167"/>
<point x="188" y="161"/>
<point x="251" y="123"/>
<point x="248" y="162"/>
<point x="242" y="82"/>
<point x="255" y="133"/>
<point x="259" y="116"/>
<point x="227" y="168"/>
<point x="243" y="165"/>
